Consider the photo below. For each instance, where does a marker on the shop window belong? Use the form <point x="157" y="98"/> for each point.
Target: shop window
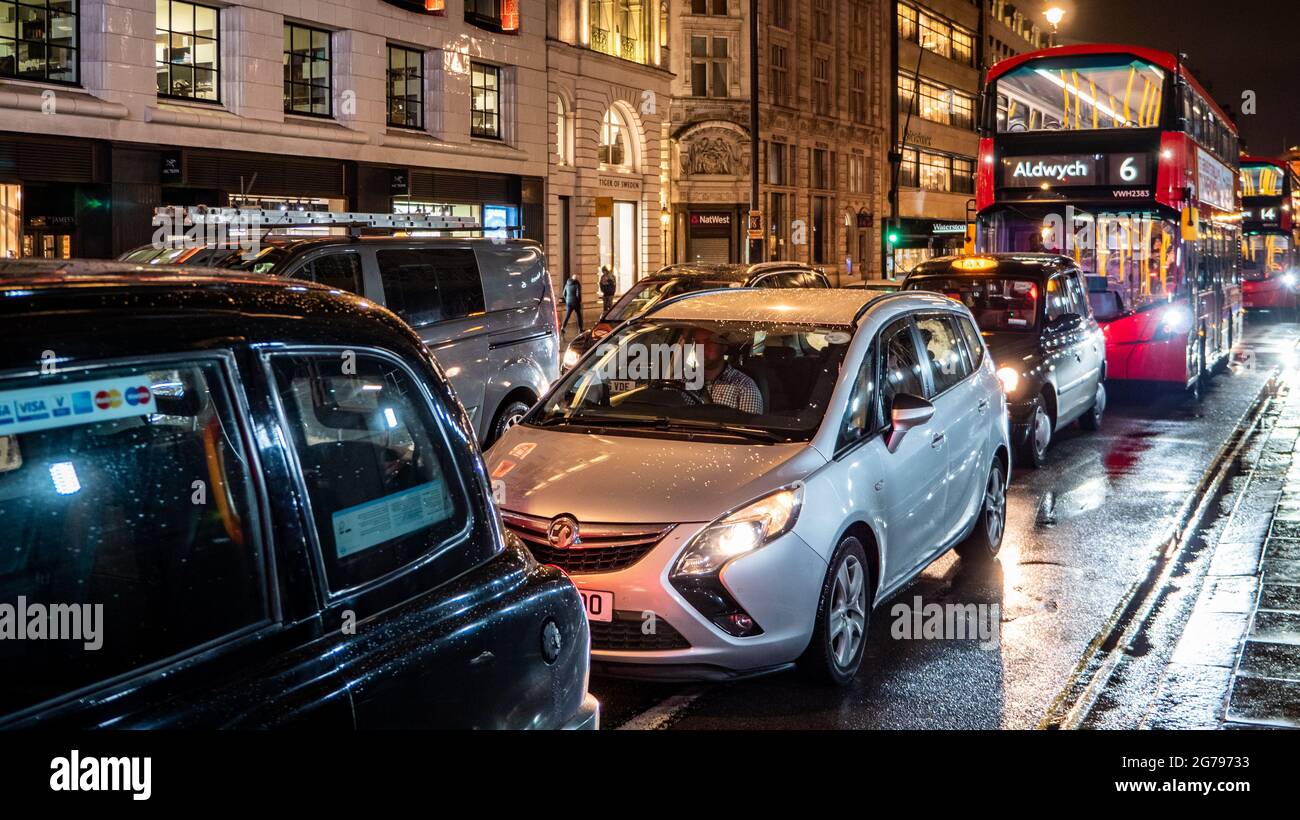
<point x="187" y="51"/>
<point x="38" y="40"/>
<point x="615" y="150"/>
<point x="307" y="80"/>
<point x="405" y="88"/>
<point x="485" y="101"/>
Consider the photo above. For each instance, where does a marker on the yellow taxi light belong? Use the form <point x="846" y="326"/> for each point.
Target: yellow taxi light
<point x="975" y="263"/>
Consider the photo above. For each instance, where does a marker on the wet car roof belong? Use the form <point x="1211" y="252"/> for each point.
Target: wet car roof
<point x="823" y="306"/>
<point x="1034" y="265"/>
<point x="96" y="309"/>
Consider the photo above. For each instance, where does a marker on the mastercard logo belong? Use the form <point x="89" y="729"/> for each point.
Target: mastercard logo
<point x="108" y="399"/>
<point x="112" y="399"/>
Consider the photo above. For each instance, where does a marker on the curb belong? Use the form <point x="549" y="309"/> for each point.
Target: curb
<point x="1093" y="672"/>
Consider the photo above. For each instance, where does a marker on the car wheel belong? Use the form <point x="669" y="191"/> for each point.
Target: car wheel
<point x="507" y="417"/>
<point x="986" y="539"/>
<point x="1033" y="453"/>
<point x="1091" y="420"/>
<point x="843" y="612"/>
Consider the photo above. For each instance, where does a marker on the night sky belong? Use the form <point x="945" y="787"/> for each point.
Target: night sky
<point x="1231" y="46"/>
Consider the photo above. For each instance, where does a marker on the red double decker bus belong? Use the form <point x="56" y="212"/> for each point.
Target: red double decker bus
<point x="1116" y="156"/>
<point x="1270" y="234"/>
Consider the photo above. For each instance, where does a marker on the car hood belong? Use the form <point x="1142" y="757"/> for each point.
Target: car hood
<point x="1011" y="349"/>
<point x="626" y="479"/>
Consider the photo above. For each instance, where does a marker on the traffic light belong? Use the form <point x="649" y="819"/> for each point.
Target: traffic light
<point x="892" y="232"/>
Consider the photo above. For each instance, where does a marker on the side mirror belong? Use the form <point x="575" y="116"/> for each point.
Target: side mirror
<point x="909" y="411"/>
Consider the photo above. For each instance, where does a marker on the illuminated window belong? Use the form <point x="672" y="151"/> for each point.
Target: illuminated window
<point x="615" y="148"/>
<point x="485" y="101"/>
<point x="1083" y="94"/>
<point x="405" y="88"/>
<point x="306" y="70"/>
<point x="187" y="50"/>
<point x="621" y="28"/>
<point x="38" y="40"/>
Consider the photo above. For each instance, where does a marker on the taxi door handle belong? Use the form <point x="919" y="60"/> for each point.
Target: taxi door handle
<point x="936" y="441"/>
<point x="982" y="406"/>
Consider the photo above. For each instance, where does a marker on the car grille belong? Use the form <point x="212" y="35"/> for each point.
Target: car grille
<point x="600" y="548"/>
<point x="625" y="634"/>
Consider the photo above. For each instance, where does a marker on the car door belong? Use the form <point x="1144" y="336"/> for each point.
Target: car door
<point x="439" y="292"/>
<point x="1091" y="346"/>
<point x="958" y="418"/>
<point x="910" y="488"/>
<point x="181" y="562"/>
<point x="1063" y="335"/>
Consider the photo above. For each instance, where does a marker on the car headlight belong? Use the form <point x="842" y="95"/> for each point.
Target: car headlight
<point x="1176" y="320"/>
<point x="1288" y="279"/>
<point x="570" y="357"/>
<point x="741" y="532"/>
<point x="1010" y="379"/>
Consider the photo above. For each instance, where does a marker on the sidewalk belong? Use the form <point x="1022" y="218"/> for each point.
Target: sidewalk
<point x="1237" y="663"/>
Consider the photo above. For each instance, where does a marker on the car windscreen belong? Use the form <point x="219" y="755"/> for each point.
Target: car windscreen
<point x="646" y="294"/>
<point x="761" y="380"/>
<point x="999" y="303"/>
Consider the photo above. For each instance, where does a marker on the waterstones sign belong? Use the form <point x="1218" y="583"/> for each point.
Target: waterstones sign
<point x="1057" y="170"/>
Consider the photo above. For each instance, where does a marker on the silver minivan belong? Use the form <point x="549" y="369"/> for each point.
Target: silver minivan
<point x="484" y="307"/>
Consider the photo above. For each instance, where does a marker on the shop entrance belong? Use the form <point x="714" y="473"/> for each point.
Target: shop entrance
<point x="11" y="221"/>
<point x="618" y="243"/>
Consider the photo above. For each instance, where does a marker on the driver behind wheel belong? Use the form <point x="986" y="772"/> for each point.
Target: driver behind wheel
<point x="726" y="385"/>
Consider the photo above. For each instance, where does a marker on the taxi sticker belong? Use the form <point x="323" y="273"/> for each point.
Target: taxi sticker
<point x="65" y="405"/>
<point x="374" y="522"/>
<point x="521" y="450"/>
<point x="11" y="458"/>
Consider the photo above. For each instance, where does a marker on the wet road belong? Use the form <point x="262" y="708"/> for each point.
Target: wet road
<point x="1080" y="532"/>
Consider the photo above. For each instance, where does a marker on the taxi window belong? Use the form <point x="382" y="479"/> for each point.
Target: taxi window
<point x="383" y="488"/>
<point x="943" y="349"/>
<point x="129" y="523"/>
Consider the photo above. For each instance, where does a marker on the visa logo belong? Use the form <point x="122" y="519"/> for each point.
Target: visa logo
<point x="32" y="410"/>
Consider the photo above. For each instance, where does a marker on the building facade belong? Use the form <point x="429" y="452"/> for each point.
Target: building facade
<point x="608" y="95"/>
<point x="110" y="108"/>
<point x="941" y="50"/>
<point x="823" y="128"/>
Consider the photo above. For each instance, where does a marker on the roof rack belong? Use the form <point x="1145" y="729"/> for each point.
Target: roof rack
<point x="271" y="218"/>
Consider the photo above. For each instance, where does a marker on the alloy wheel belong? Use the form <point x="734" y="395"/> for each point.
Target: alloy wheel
<point x="848" y="614"/>
<point x="995" y="507"/>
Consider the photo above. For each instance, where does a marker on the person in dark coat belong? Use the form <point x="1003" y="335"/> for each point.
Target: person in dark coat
<point x="606" y="288"/>
<point x="572" y="303"/>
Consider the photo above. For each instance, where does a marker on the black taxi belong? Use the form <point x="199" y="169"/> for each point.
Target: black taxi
<point x="1034" y="314"/>
<point x="230" y="500"/>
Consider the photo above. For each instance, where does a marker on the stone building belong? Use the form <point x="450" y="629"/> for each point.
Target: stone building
<point x="109" y="108"/>
<point x="823" y="127"/>
<point x="608" y="95"/>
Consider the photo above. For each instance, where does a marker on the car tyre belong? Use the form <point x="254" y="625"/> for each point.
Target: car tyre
<point x="991" y="524"/>
<point x="843" y="613"/>
<point x="508" y="416"/>
<point x="1091" y="420"/>
<point x="1033" y="452"/>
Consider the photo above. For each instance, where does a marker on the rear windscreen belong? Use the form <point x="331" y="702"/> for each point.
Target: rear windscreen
<point x="998" y="303"/>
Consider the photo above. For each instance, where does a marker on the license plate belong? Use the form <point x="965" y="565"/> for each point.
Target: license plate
<point x="599" y="605"/>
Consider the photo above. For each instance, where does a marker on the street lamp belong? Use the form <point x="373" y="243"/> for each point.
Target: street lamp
<point x="1055" y="15"/>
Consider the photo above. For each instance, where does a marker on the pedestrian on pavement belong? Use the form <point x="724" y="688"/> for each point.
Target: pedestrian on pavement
<point x="606" y="289"/>
<point x="572" y="303"/>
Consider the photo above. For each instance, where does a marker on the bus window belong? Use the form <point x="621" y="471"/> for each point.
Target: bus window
<point x="1081" y="93"/>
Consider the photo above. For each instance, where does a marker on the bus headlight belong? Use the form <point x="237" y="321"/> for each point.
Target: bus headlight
<point x="1288" y="279"/>
<point x="1010" y="379"/>
<point x="1176" y="320"/>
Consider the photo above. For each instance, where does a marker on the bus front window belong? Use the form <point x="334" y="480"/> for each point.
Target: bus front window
<point x="1084" y="93"/>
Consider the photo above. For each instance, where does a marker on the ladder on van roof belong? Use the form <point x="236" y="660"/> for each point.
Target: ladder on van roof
<point x="275" y="218"/>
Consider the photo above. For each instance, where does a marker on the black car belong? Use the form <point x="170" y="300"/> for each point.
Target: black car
<point x="231" y="500"/>
<point x="1034" y="314"/>
<point x="674" y="280"/>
